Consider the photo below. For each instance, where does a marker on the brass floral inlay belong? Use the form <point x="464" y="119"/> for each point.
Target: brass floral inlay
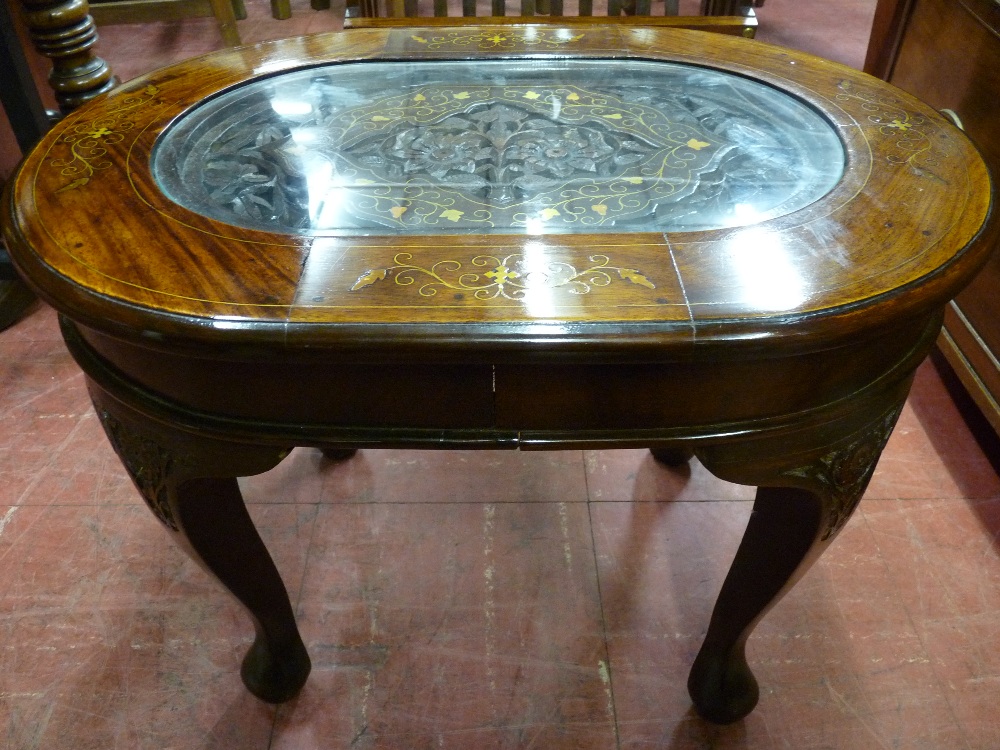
<point x="472" y="157"/>
<point x="88" y="140"/>
<point x="499" y="39"/>
<point x="512" y="277"/>
<point x="904" y="128"/>
<point x="448" y="147"/>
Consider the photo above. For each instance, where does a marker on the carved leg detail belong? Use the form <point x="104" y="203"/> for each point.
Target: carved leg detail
<point x="189" y="482"/>
<point x="796" y="515"/>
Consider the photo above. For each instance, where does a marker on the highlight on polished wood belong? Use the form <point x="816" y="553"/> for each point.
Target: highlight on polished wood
<point x="423" y="237"/>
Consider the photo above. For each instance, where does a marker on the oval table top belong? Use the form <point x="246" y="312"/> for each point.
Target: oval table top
<point x="901" y="230"/>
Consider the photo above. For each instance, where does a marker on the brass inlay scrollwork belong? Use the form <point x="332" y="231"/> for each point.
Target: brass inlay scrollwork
<point x="475" y="157"/>
<point x="88" y="139"/>
<point x="511" y="277"/>
<point x="895" y="122"/>
<point x="499" y="39"/>
<point x="448" y="147"/>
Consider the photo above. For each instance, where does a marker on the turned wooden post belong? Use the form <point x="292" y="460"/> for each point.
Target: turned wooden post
<point x="63" y="31"/>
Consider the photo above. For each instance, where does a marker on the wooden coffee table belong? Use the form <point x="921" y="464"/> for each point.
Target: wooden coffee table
<point x="530" y="237"/>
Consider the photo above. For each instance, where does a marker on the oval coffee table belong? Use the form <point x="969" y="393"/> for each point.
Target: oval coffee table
<point x="527" y="237"/>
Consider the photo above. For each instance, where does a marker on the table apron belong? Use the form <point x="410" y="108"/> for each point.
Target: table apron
<point x="541" y="406"/>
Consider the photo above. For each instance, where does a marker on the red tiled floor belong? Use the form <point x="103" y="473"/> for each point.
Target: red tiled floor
<point x="84" y="667"/>
<point x="465" y="625"/>
<point x="484" y="600"/>
<point x="425" y="477"/>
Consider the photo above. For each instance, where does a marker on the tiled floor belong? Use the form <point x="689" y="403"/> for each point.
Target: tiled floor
<point x="484" y="600"/>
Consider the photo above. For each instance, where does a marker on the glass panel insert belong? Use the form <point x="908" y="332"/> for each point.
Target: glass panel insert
<point x="537" y="146"/>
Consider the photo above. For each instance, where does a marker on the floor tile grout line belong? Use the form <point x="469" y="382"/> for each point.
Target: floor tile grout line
<point x="942" y="687"/>
<point x="138" y="504"/>
<point x="52" y="459"/>
<point x="608" y="672"/>
<point x="272" y="735"/>
<point x="446" y="503"/>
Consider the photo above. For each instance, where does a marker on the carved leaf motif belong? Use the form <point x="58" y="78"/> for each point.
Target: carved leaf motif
<point x="147" y="463"/>
<point x="369" y="278"/>
<point x="465" y="157"/>
<point x="844" y="473"/>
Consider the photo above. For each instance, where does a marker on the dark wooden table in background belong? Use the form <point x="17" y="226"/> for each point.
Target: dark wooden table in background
<point x="779" y="352"/>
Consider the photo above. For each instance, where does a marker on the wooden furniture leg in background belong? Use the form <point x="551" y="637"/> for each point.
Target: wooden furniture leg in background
<point x="28" y="121"/>
<point x="63" y="31"/>
<point x="225" y="12"/>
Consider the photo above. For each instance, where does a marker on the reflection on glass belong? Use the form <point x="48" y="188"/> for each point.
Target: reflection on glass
<point x="499" y="146"/>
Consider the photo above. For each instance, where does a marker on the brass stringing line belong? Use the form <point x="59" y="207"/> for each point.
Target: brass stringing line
<point x="87" y="140"/>
<point x="894" y="121"/>
<point x="504" y="273"/>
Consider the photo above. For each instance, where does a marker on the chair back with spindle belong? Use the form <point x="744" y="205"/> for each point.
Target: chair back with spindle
<point x="726" y="16"/>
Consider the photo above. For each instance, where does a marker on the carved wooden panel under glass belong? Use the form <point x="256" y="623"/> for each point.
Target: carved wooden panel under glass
<point x="500" y="146"/>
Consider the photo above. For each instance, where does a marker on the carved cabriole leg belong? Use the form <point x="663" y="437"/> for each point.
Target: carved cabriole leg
<point x="63" y="31"/>
<point x="189" y="482"/>
<point x="802" y="502"/>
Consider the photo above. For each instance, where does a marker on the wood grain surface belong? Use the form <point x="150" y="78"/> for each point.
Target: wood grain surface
<point x="91" y="231"/>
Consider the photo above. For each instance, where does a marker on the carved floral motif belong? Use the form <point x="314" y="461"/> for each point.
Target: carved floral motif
<point x="147" y="463"/>
<point x="470" y="157"/>
<point x="844" y="473"/>
<point x="452" y="148"/>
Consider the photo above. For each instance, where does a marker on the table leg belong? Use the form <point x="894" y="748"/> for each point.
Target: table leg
<point x="338" y="454"/>
<point x="672" y="456"/>
<point x="801" y="504"/>
<point x="189" y="482"/>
